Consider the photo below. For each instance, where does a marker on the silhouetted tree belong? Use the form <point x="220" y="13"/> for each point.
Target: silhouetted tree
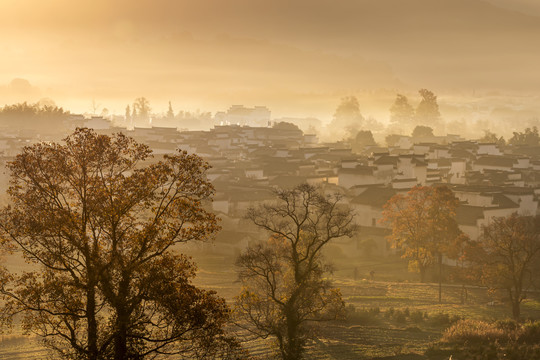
<point x="284" y="125"/>
<point x="363" y="138"/>
<point x="170" y="112"/>
<point x="47" y="118"/>
<point x="427" y="111"/>
<point x="94" y="106"/>
<point x="401" y="111"/>
<point x="285" y="285"/>
<point x="392" y="139"/>
<point x="141" y="109"/>
<point x="490" y="137"/>
<point x="128" y="114"/>
<point x="422" y="131"/>
<point x="506" y="256"/>
<point x="529" y="137"/>
<point x="347" y="118"/>
<point x="101" y="228"/>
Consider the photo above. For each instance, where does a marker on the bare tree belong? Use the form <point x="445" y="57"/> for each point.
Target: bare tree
<point x="141" y="109"/>
<point x="285" y="289"/>
<point x="507" y="255"/>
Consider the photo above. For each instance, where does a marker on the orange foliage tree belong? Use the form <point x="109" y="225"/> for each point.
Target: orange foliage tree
<point x="100" y="223"/>
<point x="424" y="226"/>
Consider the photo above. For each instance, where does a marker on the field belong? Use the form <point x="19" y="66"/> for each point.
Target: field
<point x="389" y="317"/>
<point x="374" y="328"/>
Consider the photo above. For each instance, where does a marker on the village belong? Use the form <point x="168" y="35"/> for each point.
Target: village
<point x="250" y="154"/>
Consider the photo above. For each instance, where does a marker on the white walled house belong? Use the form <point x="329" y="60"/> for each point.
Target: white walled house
<point x="360" y="175"/>
<point x="488" y="149"/>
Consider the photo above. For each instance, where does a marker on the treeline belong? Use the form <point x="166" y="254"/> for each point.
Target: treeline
<point x="44" y="116"/>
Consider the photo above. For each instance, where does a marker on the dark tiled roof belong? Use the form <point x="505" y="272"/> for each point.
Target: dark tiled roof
<point x="358" y="170"/>
<point x="504" y="202"/>
<point x="374" y="196"/>
<point x="468" y="215"/>
<point x="502" y="161"/>
<point x="287" y="181"/>
<point x="386" y="160"/>
<point x="461" y="153"/>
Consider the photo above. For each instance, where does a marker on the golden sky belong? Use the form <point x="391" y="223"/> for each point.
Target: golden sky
<point x="297" y="56"/>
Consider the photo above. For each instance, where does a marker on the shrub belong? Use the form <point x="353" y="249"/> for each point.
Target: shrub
<point x="473" y="339"/>
<point x="417" y="316"/>
<point x="530" y="333"/>
<point x="473" y="332"/>
<point x="363" y="315"/>
<point x="399" y="316"/>
<point x="439" y="319"/>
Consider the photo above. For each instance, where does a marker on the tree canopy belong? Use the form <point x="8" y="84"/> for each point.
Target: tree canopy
<point x="40" y="117"/>
<point x="528" y="137"/>
<point x="101" y="223"/>
<point x="491" y="137"/>
<point x="401" y="112"/>
<point x="285" y="286"/>
<point x="347" y="118"/>
<point x="363" y="138"/>
<point x="141" y="110"/>
<point x="424" y="225"/>
<point x="427" y="111"/>
<point x="422" y="131"/>
<point x="507" y="256"/>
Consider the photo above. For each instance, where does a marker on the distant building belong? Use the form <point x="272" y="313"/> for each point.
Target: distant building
<point x="241" y="115"/>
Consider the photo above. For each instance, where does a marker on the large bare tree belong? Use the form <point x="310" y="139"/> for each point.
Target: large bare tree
<point x="285" y="288"/>
<point x="507" y="256"/>
<point x="100" y="224"/>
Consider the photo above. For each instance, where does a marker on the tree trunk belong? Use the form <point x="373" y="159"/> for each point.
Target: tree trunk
<point x="515" y="300"/>
<point x="516" y="311"/>
<point x="294" y="348"/>
<point x="92" y="322"/>
<point x="120" y="339"/>
<point x="121" y="351"/>
<point x="440" y="278"/>
<point x="422" y="270"/>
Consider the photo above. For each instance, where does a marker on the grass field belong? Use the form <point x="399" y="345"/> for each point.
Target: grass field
<point x="390" y="317"/>
<point x="366" y="335"/>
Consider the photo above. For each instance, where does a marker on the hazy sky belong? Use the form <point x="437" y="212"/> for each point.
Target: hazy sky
<point x="297" y="56"/>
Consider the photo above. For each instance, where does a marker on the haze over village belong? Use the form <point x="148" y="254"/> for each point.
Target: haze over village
<point x="270" y="180"/>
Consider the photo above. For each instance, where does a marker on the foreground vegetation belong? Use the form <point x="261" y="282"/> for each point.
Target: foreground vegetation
<point x="391" y="317"/>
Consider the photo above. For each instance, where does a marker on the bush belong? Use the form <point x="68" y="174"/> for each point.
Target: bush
<point x="530" y="333"/>
<point x="442" y="319"/>
<point x="473" y="332"/>
<point x="363" y="315"/>
<point x="399" y="316"/>
<point x="473" y="339"/>
<point x="417" y="316"/>
<point x="439" y="319"/>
